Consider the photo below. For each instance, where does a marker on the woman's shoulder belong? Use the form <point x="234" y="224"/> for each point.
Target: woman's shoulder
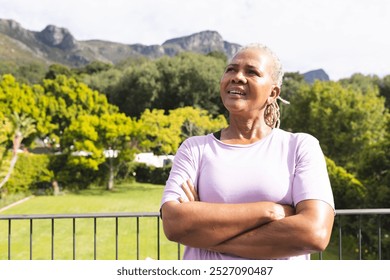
<point x="197" y="142"/>
<point x="295" y="137"/>
<point x="198" y="139"/>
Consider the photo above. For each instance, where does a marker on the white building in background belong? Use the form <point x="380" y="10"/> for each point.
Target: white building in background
<point x="151" y="159"/>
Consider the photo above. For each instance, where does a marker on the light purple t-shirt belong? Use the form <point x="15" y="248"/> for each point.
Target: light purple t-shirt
<point x="283" y="167"/>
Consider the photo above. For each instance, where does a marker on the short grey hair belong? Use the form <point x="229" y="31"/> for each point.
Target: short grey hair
<point x="278" y="72"/>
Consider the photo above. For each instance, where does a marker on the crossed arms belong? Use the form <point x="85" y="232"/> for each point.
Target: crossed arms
<point x="258" y="230"/>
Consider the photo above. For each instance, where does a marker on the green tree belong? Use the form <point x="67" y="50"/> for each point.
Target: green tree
<point x="137" y="89"/>
<point x="348" y="191"/>
<point x="57" y="70"/>
<point x="94" y="67"/>
<point x="104" y="81"/>
<point x="70" y="99"/>
<point x="168" y="83"/>
<point x="346" y="120"/>
<point x="375" y="169"/>
<point x="195" y="121"/>
<point x="156" y="132"/>
<point x="79" y="114"/>
<point x="190" y="79"/>
<point x="384" y="89"/>
<point x="162" y="134"/>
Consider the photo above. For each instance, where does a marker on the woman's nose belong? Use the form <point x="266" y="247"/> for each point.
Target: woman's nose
<point x="238" y="77"/>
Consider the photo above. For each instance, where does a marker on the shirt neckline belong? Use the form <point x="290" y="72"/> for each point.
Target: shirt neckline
<point x="217" y="137"/>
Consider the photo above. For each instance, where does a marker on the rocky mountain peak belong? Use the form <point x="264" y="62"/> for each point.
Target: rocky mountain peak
<point x="12" y="28"/>
<point x="202" y="42"/>
<point x="9" y="24"/>
<point x="318" y="74"/>
<point x="57" y="37"/>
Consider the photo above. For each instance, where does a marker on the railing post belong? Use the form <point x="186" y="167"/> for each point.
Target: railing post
<point x="74" y="238"/>
<point x="52" y="238"/>
<point x="137" y="238"/>
<point x="94" y="238"/>
<point x="340" y="240"/>
<point x="379" y="238"/>
<point x="31" y="234"/>
<point x="158" y="238"/>
<point x="360" y="237"/>
<point x="9" y="239"/>
<point x="116" y="238"/>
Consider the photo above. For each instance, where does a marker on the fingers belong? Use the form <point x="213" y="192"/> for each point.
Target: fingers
<point x="193" y="190"/>
<point x="190" y="192"/>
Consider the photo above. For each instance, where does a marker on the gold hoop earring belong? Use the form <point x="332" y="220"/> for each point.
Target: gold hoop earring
<point x="272" y="115"/>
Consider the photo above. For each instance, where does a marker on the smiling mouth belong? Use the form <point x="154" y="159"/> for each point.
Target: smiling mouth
<point x="236" y="92"/>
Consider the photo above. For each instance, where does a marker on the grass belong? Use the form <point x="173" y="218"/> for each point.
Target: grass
<point x="134" y="197"/>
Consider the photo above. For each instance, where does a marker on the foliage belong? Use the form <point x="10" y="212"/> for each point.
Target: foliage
<point x="103" y="81"/>
<point x="70" y="117"/>
<point x="31" y="172"/>
<point x="196" y="121"/>
<point x="162" y="134"/>
<point x="58" y="70"/>
<point x="5" y="129"/>
<point x="187" y="79"/>
<point x="337" y="115"/>
<point x="70" y="174"/>
<point x="150" y="174"/>
<point x="384" y="89"/>
<point x="94" y="67"/>
<point x="137" y="89"/>
<point x="348" y="191"/>
<point x="375" y="168"/>
<point x="29" y="73"/>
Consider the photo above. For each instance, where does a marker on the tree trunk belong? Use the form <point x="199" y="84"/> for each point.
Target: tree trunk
<point x="56" y="188"/>
<point x="110" y="183"/>
<point x="11" y="168"/>
<point x="16" y="145"/>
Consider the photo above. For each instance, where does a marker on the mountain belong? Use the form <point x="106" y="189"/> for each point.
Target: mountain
<point x="57" y="45"/>
<point x="19" y="46"/>
<point x="313" y="75"/>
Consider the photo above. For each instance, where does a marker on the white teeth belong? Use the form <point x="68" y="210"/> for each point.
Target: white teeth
<point x="236" y="92"/>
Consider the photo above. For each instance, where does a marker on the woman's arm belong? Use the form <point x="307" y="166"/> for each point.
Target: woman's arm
<point x="204" y="225"/>
<point x="306" y="232"/>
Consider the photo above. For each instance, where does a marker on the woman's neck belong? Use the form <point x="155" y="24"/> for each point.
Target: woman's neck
<point x="244" y="130"/>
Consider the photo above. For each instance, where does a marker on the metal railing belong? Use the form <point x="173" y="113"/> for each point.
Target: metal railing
<point x="382" y="230"/>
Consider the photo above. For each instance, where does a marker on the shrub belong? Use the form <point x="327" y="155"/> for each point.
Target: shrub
<point x="31" y="173"/>
<point x="150" y="174"/>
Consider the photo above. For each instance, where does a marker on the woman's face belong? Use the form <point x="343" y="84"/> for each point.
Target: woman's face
<point x="247" y="85"/>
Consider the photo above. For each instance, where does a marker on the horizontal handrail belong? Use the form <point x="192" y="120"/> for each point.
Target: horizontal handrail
<point x="359" y="213"/>
<point x="78" y="215"/>
<point x="373" y="211"/>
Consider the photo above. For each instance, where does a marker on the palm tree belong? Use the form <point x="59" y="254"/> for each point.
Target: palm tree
<point x="23" y="127"/>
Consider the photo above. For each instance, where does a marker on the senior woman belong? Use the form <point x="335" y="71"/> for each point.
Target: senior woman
<point x="251" y="190"/>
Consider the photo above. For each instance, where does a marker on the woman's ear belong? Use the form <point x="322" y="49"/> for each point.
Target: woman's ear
<point x="275" y="92"/>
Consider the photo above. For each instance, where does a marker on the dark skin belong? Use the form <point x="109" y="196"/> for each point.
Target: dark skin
<point x="260" y="230"/>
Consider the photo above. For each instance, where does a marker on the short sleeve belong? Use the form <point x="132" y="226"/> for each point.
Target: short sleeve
<point x="185" y="166"/>
<point x="311" y="179"/>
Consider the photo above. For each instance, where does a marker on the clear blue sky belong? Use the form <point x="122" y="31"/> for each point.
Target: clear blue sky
<point x="341" y="36"/>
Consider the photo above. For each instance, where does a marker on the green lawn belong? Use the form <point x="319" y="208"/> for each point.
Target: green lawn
<point x="125" y="198"/>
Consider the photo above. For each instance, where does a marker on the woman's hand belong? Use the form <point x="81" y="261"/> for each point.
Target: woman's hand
<point x="190" y="191"/>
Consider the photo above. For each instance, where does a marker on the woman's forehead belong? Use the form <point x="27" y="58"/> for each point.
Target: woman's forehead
<point x="251" y="57"/>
